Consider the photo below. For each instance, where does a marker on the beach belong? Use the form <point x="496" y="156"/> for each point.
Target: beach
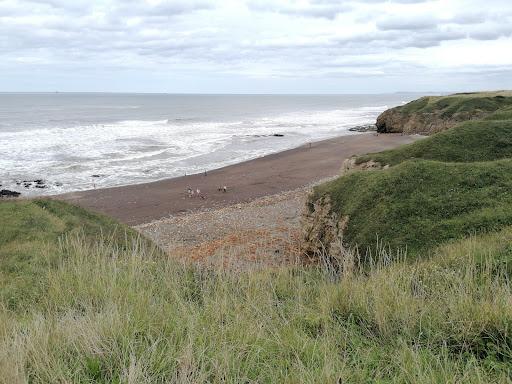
<point x="269" y="175"/>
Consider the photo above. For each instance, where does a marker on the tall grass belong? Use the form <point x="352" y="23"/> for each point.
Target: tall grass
<point x="126" y="314"/>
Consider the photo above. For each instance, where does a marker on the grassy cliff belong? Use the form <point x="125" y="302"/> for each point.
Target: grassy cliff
<point x="467" y="142"/>
<point x="106" y="310"/>
<point x="419" y="204"/>
<point x="445" y="187"/>
<point x="432" y="114"/>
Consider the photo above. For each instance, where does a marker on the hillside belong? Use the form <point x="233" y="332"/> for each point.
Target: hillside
<point x="447" y="186"/>
<point x="106" y="310"/>
<point x="467" y="142"/>
<point x="415" y="205"/>
<point x="432" y="114"/>
<point x="31" y="238"/>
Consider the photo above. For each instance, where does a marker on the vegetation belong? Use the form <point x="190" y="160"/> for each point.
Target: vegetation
<point x="433" y="114"/>
<point x="419" y="204"/>
<point x="29" y="242"/>
<point x="459" y="103"/>
<point x="110" y="313"/>
<point x="444" y="187"/>
<point x="468" y="142"/>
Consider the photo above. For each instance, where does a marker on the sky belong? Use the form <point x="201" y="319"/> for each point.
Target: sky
<point x="255" y="46"/>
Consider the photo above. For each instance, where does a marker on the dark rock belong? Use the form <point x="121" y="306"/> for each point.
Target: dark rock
<point x="364" y="128"/>
<point x="41" y="186"/>
<point x="95" y="175"/>
<point x="7" y="193"/>
<point x="277" y="135"/>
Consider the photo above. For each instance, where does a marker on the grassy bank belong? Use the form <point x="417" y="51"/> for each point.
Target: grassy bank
<point x="420" y="204"/>
<point x="30" y="235"/>
<point x="433" y="114"/>
<point x="468" y="142"/>
<point x="114" y="314"/>
<point x="444" y="187"/>
<point x="450" y="105"/>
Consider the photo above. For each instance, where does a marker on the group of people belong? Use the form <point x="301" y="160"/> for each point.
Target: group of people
<point x="197" y="193"/>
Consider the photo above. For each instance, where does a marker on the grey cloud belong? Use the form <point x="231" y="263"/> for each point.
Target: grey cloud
<point x="164" y="8"/>
<point x="402" y="24"/>
<point x="320" y="8"/>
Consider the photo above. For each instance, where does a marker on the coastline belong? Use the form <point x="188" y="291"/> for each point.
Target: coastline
<point x="246" y="181"/>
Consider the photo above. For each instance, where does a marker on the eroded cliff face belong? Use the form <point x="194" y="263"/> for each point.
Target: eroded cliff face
<point x="394" y="120"/>
<point x="322" y="227"/>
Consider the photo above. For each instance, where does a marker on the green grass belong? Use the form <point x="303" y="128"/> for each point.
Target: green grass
<point x="468" y="142"/>
<point x="419" y="204"/>
<point x="450" y="105"/>
<point x="114" y="314"/>
<point x="29" y="241"/>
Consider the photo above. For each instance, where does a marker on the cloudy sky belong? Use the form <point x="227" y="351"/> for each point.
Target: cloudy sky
<point x="255" y="46"/>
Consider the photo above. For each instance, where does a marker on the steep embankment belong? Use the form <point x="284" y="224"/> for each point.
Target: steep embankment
<point x="415" y="205"/>
<point x="447" y="186"/>
<point x="432" y="114"/>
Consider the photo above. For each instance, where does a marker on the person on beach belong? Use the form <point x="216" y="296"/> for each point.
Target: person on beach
<point x="190" y="192"/>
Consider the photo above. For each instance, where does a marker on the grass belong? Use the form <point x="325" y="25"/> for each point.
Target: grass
<point x="450" y="105"/>
<point x="420" y="204"/>
<point x="468" y="142"/>
<point x="127" y="314"/>
<point x="431" y="114"/>
<point x="29" y="241"/>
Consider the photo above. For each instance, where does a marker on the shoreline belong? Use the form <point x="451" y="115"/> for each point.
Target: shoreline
<point x="139" y="204"/>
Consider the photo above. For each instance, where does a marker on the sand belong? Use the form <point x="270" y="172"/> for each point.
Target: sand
<point x="246" y="181"/>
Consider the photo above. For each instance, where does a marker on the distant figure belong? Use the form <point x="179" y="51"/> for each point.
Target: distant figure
<point x="190" y="192"/>
<point x="224" y="189"/>
<point x="205" y="172"/>
<point x="198" y="192"/>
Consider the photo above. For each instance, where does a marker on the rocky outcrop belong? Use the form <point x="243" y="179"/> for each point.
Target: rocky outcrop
<point x="431" y="114"/>
<point x="394" y="120"/>
<point x="8" y="193"/>
<point x="323" y="229"/>
<point x="350" y="164"/>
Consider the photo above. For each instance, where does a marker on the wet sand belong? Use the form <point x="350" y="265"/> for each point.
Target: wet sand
<point x="246" y="181"/>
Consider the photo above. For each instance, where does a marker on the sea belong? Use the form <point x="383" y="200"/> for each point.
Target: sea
<point x="53" y="143"/>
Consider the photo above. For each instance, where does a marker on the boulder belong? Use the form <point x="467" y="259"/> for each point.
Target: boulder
<point x="8" y="193"/>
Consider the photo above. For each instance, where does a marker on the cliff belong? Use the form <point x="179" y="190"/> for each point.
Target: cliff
<point x="432" y="114"/>
<point x="421" y="195"/>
